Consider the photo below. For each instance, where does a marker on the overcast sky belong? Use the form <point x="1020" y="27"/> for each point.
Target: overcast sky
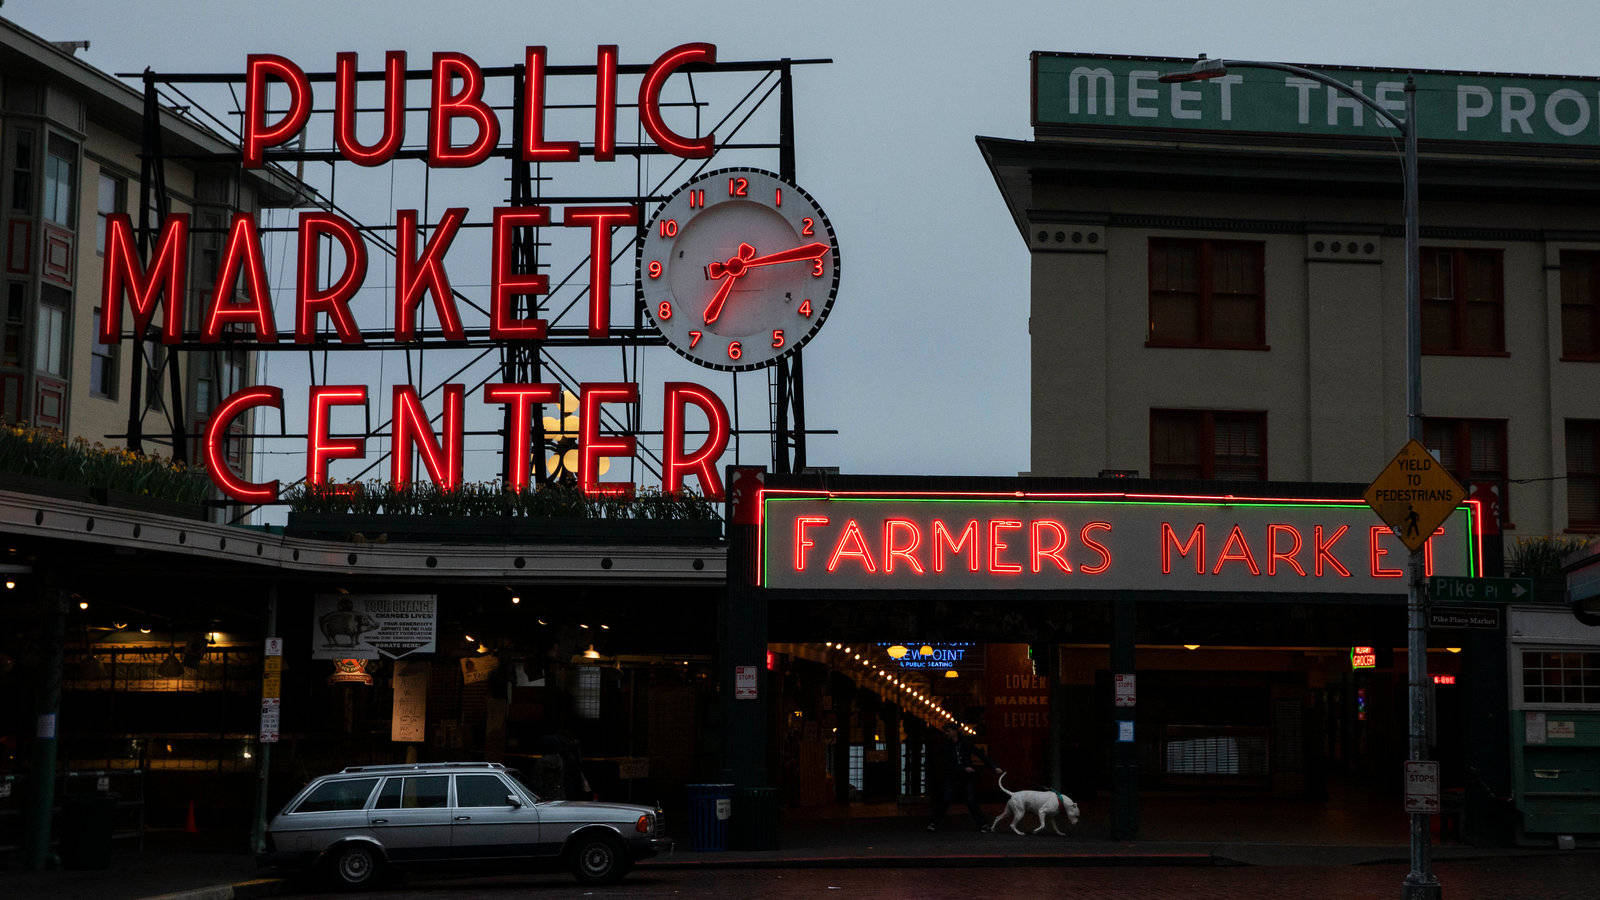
<point x="923" y="365"/>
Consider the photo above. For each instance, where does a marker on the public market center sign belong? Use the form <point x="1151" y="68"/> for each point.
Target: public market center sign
<point x="1122" y="91"/>
<point x="843" y="540"/>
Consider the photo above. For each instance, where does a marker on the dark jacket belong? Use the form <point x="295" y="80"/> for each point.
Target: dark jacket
<point x="952" y="757"/>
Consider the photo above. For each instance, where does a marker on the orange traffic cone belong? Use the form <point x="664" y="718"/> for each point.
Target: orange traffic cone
<point x="188" y="821"/>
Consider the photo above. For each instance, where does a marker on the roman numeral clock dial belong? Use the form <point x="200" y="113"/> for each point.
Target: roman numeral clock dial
<point x="738" y="269"/>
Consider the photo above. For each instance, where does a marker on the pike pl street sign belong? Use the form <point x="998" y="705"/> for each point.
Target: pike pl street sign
<point x="1450" y="589"/>
<point x="1414" y="495"/>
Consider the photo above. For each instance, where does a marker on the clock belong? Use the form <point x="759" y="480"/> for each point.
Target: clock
<point x="738" y="269"/>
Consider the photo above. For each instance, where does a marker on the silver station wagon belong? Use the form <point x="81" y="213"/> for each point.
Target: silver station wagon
<point x="479" y="816"/>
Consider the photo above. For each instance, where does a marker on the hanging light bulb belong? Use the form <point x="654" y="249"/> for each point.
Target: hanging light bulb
<point x="950" y="673"/>
<point x="927" y="650"/>
<point x="898" y="651"/>
<point x="591" y="653"/>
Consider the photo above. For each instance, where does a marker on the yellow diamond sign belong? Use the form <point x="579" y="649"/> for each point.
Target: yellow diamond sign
<point x="1414" y="494"/>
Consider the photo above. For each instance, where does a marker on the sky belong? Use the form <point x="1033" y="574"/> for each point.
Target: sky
<point x="923" y="364"/>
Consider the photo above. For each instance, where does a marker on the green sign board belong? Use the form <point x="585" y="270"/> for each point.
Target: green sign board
<point x="1448" y="589"/>
<point x="1123" y="91"/>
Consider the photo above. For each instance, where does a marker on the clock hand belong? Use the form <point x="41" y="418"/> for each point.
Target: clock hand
<point x="746" y="259"/>
<point x="714" y="308"/>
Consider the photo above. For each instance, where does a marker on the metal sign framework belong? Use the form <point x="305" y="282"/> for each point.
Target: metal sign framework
<point x="518" y="362"/>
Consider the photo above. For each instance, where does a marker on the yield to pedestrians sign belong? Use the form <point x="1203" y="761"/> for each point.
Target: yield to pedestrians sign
<point x="1414" y="494"/>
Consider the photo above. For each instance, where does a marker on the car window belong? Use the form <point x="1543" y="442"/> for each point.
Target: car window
<point x="481" y="790"/>
<point x="333" y="796"/>
<point x="416" y="792"/>
<point x="523" y="781"/>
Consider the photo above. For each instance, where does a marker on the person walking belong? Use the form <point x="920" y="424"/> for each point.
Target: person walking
<point x="955" y="774"/>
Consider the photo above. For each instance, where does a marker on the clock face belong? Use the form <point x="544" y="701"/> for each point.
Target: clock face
<point x="738" y="269"/>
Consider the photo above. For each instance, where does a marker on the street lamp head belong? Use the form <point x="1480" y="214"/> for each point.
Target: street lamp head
<point x="1201" y="70"/>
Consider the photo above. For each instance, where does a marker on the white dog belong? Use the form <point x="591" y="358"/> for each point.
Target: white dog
<point x="1047" y="805"/>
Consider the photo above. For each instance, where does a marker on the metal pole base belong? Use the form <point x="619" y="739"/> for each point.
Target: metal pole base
<point x="1420" y="889"/>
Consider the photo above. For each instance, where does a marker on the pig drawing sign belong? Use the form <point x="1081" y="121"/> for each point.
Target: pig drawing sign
<point x="366" y="626"/>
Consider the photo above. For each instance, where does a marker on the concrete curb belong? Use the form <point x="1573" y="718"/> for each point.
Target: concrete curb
<point x="240" y="890"/>
<point x="967" y="861"/>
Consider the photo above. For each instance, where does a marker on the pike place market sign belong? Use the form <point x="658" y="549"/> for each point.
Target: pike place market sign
<point x="1122" y="91"/>
<point x="929" y="541"/>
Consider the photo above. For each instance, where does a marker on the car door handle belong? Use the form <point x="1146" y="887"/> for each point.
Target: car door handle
<point x="380" y="821"/>
<point x="462" y="818"/>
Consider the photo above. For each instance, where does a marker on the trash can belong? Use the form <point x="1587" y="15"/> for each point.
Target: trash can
<point x="85" y="830"/>
<point x="710" y="807"/>
<point x="754" y="825"/>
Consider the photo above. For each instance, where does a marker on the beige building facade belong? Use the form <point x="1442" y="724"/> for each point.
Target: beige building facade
<point x="70" y="155"/>
<point x="1230" y="305"/>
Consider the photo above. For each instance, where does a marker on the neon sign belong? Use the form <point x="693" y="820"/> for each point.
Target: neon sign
<point x="1110" y="541"/>
<point x="1363" y="658"/>
<point x="920" y="655"/>
<point x="463" y="130"/>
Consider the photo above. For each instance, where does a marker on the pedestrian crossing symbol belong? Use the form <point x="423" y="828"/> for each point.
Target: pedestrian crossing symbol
<point x="1414" y="495"/>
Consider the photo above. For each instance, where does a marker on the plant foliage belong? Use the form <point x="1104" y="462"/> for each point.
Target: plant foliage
<point x="495" y="499"/>
<point x="46" y="453"/>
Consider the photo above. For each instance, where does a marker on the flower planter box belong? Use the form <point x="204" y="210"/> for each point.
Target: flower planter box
<point x="501" y="530"/>
<point x="45" y="487"/>
<point x="146" y="503"/>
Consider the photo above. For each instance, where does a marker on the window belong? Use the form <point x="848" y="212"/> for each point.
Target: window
<point x="334" y="796"/>
<point x="1583" y="475"/>
<point x="419" y="792"/>
<point x="1471" y="450"/>
<point x="16" y="311"/>
<point x="50" y="340"/>
<point x="481" y="790"/>
<point x="111" y="197"/>
<point x="1206" y="293"/>
<point x="22" y="174"/>
<point x="1552" y="676"/>
<point x="102" y="365"/>
<point x="858" y="766"/>
<point x="60" y="181"/>
<point x="1463" y="309"/>
<point x="1191" y="443"/>
<point x="586" y="693"/>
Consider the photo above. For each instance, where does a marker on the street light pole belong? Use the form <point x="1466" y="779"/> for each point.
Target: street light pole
<point x="1419" y="884"/>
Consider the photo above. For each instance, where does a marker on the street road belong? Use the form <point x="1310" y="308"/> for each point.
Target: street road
<point x="1547" y="877"/>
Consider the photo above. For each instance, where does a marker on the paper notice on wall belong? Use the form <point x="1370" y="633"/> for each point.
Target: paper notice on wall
<point x="1561" y="730"/>
<point x="364" y="626"/>
<point x="477" y="668"/>
<point x="744" y="683"/>
<point x="409" y="718"/>
<point x="1535" y="730"/>
<point x="271" y="707"/>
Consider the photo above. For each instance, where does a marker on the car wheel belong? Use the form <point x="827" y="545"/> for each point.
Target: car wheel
<point x="597" y="860"/>
<point x="355" y="865"/>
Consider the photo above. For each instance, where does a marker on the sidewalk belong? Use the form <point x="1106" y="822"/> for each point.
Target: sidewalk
<point x="174" y="865"/>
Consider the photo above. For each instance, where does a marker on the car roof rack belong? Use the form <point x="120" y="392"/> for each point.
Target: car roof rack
<point x="415" y="767"/>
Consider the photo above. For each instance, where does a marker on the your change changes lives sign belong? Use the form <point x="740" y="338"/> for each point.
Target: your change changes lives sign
<point x="365" y="626"/>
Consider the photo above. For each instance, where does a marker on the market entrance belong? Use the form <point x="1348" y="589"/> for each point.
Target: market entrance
<point x="1187" y="713"/>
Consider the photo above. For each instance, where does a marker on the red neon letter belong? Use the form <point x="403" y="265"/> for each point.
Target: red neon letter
<point x="334" y="301"/>
<point x="893" y="548"/>
<point x="700" y="463"/>
<point x="1323" y="551"/>
<point x="1427" y="553"/>
<point x="650" y="101"/>
<point x="599" y="220"/>
<point x="1040" y="552"/>
<point x="465" y="104"/>
<point x="414" y="275"/>
<point x="243" y="251"/>
<point x="217" y="431"/>
<point x="591" y="446"/>
<point x="996" y="545"/>
<point x="534" y="147"/>
<point x="519" y="400"/>
<point x="852" y="538"/>
<point x="505" y="285"/>
<point x="164" y="278"/>
<point x="1273" y="554"/>
<point x="1096" y="546"/>
<point x="258" y="136"/>
<point x="801" y="542"/>
<point x="394" y="110"/>
<point x="942" y="540"/>
<point x="605" y="104"/>
<point x="1196" y="544"/>
<point x="1228" y="554"/>
<point x="321" y="448"/>
<point x="411" y="429"/>
<point x="1377" y="553"/>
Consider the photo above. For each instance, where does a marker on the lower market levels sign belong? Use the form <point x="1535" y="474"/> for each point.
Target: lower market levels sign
<point x="844" y="540"/>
